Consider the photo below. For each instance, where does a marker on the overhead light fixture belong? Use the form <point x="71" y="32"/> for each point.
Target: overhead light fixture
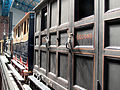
<point x="17" y="4"/>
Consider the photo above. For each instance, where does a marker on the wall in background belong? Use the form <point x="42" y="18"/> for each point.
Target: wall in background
<point x="17" y="15"/>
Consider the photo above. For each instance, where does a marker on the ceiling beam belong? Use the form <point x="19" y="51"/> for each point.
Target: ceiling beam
<point x="23" y="3"/>
<point x="21" y="7"/>
<point x="6" y="5"/>
<point x="37" y="0"/>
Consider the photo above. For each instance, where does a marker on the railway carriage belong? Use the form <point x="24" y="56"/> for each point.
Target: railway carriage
<point x="77" y="44"/>
<point x="23" y="43"/>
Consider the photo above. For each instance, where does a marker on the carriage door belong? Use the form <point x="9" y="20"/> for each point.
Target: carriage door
<point x="109" y="42"/>
<point x="85" y="45"/>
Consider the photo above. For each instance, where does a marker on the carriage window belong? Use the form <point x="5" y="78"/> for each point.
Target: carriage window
<point x="14" y="35"/>
<point x="16" y="32"/>
<point x="112" y="4"/>
<point x="64" y="4"/>
<point x="25" y="27"/>
<point x="83" y="8"/>
<point x="44" y="19"/>
<point x="22" y="27"/>
<point x="38" y="21"/>
<point x="19" y="31"/>
<point x="53" y="13"/>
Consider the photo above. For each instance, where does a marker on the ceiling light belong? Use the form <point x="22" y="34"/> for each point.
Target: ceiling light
<point x="17" y="4"/>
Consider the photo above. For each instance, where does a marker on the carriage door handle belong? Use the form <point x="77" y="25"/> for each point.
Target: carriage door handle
<point x="46" y="40"/>
<point x="69" y="43"/>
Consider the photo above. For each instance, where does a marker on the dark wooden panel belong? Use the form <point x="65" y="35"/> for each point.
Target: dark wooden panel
<point x="63" y="65"/>
<point x="63" y="38"/>
<point x="83" y="8"/>
<point x="53" y="62"/>
<point x="112" y="74"/>
<point x="86" y="21"/>
<point x="84" y="50"/>
<point x="36" y="40"/>
<point x="111" y="52"/>
<point x="83" y="74"/>
<point x="84" y="36"/>
<point x="36" y="58"/>
<point x="43" y="41"/>
<point x="14" y="49"/>
<point x="43" y="59"/>
<point x="24" y="51"/>
<point x="21" y="49"/>
<point x="18" y="47"/>
<point x="53" y="39"/>
<point x="54" y="13"/>
<point x="112" y="31"/>
<point x="24" y="48"/>
<point x="64" y="12"/>
<point x="112" y="4"/>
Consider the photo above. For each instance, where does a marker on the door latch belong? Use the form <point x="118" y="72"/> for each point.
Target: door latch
<point x="46" y="40"/>
<point x="69" y="42"/>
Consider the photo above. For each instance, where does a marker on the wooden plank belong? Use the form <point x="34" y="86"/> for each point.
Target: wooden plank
<point x="100" y="26"/>
<point x="18" y="65"/>
<point x="48" y="38"/>
<point x="17" y="75"/>
<point x="7" y="55"/>
<point x="7" y="78"/>
<point x="26" y="87"/>
<point x="56" y="83"/>
<point x="39" y="84"/>
<point x="109" y="52"/>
